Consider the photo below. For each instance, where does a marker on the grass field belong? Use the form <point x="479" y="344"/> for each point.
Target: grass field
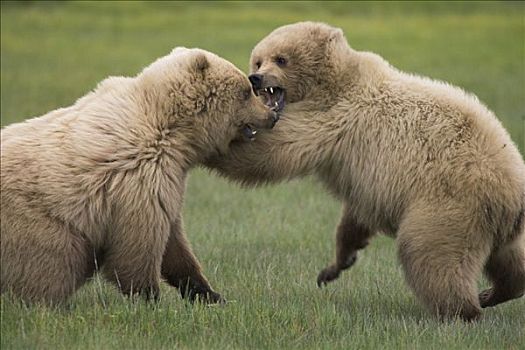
<point x="262" y="249"/>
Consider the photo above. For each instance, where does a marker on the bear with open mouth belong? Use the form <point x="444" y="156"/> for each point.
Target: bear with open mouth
<point x="100" y="185"/>
<point x="416" y="159"/>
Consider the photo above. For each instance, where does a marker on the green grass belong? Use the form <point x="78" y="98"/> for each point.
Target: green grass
<point x="260" y="248"/>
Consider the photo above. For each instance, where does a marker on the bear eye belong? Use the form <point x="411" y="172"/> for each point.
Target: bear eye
<point x="258" y="64"/>
<point x="281" y="61"/>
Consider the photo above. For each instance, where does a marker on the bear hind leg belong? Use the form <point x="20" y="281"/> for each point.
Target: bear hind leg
<point x="506" y="270"/>
<point x="442" y="262"/>
<point x="42" y="259"/>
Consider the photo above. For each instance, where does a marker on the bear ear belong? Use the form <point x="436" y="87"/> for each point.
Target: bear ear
<point x="200" y="63"/>
<point x="179" y="49"/>
<point x="336" y="34"/>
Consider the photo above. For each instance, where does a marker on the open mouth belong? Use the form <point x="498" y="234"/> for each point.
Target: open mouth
<point x="273" y="97"/>
<point x="248" y="132"/>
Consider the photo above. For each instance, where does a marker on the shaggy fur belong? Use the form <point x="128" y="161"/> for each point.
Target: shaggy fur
<point x="414" y="158"/>
<point x="100" y="184"/>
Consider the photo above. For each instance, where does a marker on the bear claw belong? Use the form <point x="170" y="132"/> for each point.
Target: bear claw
<point x="327" y="275"/>
<point x="202" y="295"/>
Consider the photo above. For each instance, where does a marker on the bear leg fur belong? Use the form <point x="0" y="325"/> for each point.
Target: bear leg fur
<point x="46" y="260"/>
<point x="350" y="237"/>
<point x="182" y="270"/>
<point x="505" y="268"/>
<point x="440" y="262"/>
<point x="134" y="257"/>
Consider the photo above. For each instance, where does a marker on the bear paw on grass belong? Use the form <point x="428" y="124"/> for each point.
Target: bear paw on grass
<point x="100" y="184"/>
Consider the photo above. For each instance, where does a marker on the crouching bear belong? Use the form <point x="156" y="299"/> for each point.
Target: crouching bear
<point x="417" y="159"/>
<point x="100" y="184"/>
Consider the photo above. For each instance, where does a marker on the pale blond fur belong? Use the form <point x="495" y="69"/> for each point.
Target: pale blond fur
<point x="417" y="159"/>
<point x="100" y="184"/>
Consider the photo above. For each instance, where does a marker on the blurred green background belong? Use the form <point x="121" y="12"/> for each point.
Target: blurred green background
<point x="54" y="52"/>
<point x="261" y="248"/>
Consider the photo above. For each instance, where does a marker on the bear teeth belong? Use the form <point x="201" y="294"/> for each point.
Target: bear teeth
<point x="249" y="133"/>
<point x="269" y="90"/>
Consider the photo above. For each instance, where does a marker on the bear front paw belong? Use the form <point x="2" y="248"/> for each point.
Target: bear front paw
<point x="151" y="293"/>
<point x="207" y="297"/>
<point x="203" y="295"/>
<point x="486" y="298"/>
<point x="212" y="297"/>
<point x="327" y="275"/>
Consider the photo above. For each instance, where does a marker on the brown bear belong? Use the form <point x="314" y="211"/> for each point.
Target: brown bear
<point x="414" y="158"/>
<point x="100" y="184"/>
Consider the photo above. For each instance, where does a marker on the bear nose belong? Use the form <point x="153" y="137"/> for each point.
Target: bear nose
<point x="256" y="80"/>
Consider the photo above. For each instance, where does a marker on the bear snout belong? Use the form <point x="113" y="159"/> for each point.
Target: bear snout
<point x="256" y="80"/>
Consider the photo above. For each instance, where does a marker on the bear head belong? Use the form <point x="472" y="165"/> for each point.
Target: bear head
<point x="297" y="62"/>
<point x="203" y="97"/>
